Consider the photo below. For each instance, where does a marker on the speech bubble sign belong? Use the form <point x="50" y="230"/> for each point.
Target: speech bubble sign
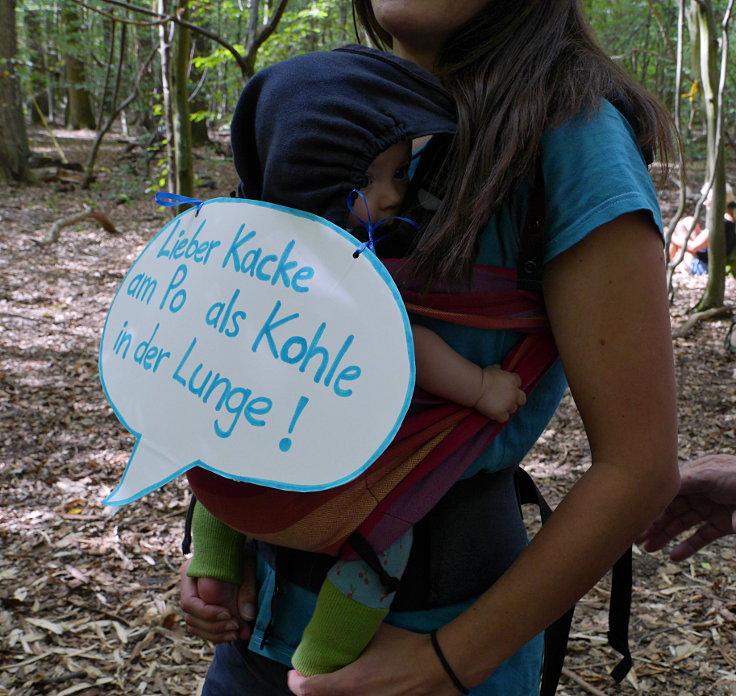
<point x="248" y="339"/>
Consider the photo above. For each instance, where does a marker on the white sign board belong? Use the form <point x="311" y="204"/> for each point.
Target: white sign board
<point x="249" y="339"/>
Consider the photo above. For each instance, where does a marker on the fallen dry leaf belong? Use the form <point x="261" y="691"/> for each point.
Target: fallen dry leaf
<point x="91" y="590"/>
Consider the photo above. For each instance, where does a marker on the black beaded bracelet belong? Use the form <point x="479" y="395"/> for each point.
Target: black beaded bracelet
<point x="445" y="664"/>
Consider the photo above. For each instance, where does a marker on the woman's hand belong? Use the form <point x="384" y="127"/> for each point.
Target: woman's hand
<point x="215" y="610"/>
<point x="396" y="663"/>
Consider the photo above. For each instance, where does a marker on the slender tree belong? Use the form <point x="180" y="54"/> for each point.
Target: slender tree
<point x="44" y="75"/>
<point x="165" y="33"/>
<point x="712" y="75"/>
<point x="14" y="150"/>
<point x="198" y="98"/>
<point x="79" y="105"/>
<point x="674" y="262"/>
<point x="181" y="124"/>
<point x="115" y="108"/>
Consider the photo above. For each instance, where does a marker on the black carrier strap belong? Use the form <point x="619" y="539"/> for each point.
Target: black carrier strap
<point x="186" y="542"/>
<point x="530" y="264"/>
<point x="529" y="277"/>
<point x="368" y="554"/>
<point x="556" y="635"/>
<point x="619" y="612"/>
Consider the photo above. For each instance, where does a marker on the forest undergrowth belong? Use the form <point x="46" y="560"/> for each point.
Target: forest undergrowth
<point x="88" y="593"/>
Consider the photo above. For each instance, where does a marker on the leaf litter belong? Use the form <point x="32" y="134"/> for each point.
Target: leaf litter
<point x="89" y="593"/>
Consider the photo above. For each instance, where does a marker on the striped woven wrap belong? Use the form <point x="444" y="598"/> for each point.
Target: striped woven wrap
<point x="433" y="447"/>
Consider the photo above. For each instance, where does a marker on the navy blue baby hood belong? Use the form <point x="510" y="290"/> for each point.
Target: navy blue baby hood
<point x="306" y="129"/>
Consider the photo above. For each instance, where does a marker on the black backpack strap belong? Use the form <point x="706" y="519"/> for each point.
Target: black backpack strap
<point x="529" y="270"/>
<point x="528" y="493"/>
<point x="186" y="542"/>
<point x="618" y="613"/>
<point x="556" y="635"/>
<point x="530" y="263"/>
<point x="368" y="554"/>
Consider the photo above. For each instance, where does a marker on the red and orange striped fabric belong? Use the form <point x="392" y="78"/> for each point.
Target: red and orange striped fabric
<point x="433" y="447"/>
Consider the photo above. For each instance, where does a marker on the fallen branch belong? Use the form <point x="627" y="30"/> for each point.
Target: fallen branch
<point x="72" y="219"/>
<point x="62" y="174"/>
<point x="21" y="316"/>
<point x="581" y="682"/>
<point x="58" y="680"/>
<point x="686" y="327"/>
<point x="48" y="129"/>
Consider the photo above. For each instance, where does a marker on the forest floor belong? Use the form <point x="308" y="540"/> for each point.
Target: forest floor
<point x="88" y="593"/>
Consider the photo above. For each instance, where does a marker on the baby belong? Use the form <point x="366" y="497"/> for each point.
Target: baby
<point x="308" y="143"/>
<point x="440" y="370"/>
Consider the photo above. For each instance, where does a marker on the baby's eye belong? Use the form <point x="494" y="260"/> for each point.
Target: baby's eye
<point x="363" y="182"/>
<point x="402" y="173"/>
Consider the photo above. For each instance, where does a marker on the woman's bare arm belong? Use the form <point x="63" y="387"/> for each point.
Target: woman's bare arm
<point x="607" y="303"/>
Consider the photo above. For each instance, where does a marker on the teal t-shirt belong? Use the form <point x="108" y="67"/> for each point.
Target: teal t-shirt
<point x="593" y="173"/>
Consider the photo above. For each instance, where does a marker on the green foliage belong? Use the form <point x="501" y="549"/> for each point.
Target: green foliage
<point x="198" y="116"/>
<point x="641" y="35"/>
<point x="216" y="58"/>
<point x="309" y="25"/>
<point x="161" y="177"/>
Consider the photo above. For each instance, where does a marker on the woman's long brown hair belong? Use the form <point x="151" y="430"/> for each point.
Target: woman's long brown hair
<point x="516" y="68"/>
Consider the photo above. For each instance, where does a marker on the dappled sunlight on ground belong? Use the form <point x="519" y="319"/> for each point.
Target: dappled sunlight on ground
<point x="88" y="593"/>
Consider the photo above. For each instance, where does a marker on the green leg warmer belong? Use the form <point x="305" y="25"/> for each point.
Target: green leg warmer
<point x="218" y="549"/>
<point x="337" y="633"/>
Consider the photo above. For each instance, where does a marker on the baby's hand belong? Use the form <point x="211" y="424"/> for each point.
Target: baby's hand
<point x="501" y="394"/>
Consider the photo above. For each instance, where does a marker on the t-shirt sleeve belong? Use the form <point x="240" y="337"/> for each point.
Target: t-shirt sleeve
<point x="593" y="173"/>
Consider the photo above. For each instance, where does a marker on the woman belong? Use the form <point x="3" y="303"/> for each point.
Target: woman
<point x="695" y="242"/>
<point x="528" y="80"/>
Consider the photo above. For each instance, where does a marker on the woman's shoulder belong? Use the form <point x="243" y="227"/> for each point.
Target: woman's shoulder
<point x="594" y="171"/>
<point x="601" y="128"/>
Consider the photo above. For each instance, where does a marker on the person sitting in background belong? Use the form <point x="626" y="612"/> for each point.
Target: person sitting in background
<point x="696" y="247"/>
<point x="708" y="495"/>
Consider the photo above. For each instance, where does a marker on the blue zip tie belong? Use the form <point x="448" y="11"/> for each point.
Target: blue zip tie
<point x="369" y="225"/>
<point x="169" y="199"/>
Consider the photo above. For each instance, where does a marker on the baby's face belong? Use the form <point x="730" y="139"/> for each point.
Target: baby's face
<point x="388" y="179"/>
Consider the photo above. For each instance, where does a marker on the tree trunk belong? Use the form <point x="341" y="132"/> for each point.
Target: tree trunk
<point x="181" y="122"/>
<point x="40" y="89"/>
<point x="104" y="126"/>
<point x="259" y="29"/>
<point x="708" y="55"/>
<point x="200" y="134"/>
<point x="671" y="265"/>
<point x="165" y="58"/>
<point x="79" y="106"/>
<point x="14" y="150"/>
